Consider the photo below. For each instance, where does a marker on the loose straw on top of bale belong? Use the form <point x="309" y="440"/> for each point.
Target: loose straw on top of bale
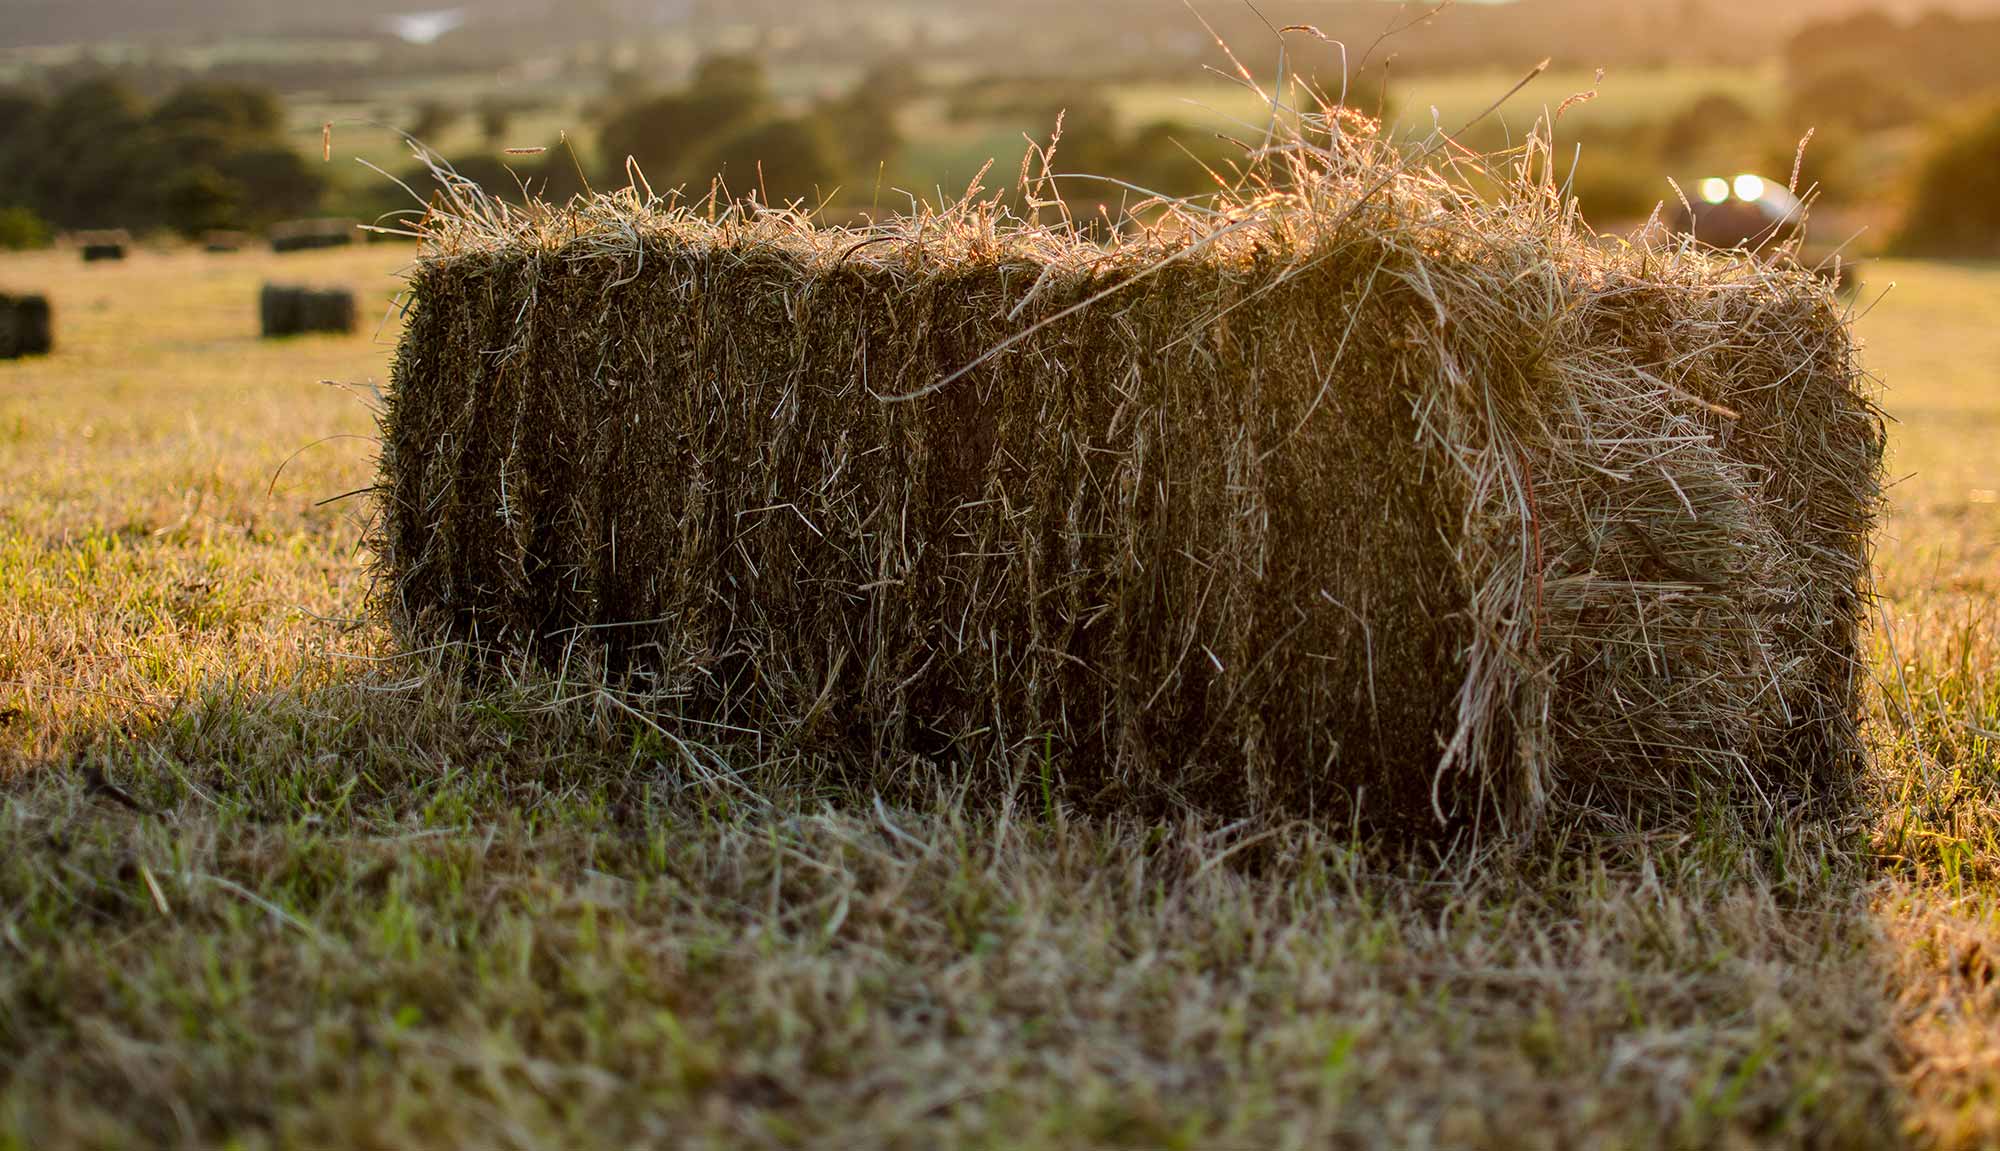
<point x="1345" y="487"/>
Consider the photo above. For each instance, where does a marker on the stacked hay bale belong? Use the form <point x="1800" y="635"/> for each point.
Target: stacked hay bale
<point x="307" y="235"/>
<point x="25" y="327"/>
<point x="1357" y="493"/>
<point x="102" y="246"/>
<point x="291" y="311"/>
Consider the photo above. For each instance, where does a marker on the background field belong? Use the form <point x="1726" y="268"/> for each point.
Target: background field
<point x="269" y="881"/>
<point x="198" y="115"/>
<point x="1458" y="96"/>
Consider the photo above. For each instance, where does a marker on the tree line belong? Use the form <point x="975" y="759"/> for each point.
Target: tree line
<point x="97" y="155"/>
<point x="726" y="132"/>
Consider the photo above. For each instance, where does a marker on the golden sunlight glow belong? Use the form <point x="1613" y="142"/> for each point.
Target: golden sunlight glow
<point x="1715" y="189"/>
<point x="1749" y="187"/>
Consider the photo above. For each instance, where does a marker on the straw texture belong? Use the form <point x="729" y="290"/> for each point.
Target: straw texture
<point x="1348" y="490"/>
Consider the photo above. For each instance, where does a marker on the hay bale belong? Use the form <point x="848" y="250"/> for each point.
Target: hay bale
<point x="101" y="246"/>
<point x="225" y="242"/>
<point x="308" y="235"/>
<point x="25" y="327"/>
<point x="1359" y="493"/>
<point x="287" y="310"/>
<point x="29" y="324"/>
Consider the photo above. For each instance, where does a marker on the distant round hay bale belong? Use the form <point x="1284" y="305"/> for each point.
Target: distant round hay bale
<point x="101" y="246"/>
<point x="223" y="242"/>
<point x="25" y="327"/>
<point x="307" y="235"/>
<point x="288" y="310"/>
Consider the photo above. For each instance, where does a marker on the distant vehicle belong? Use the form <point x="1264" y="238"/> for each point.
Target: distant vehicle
<point x="1747" y="212"/>
<point x="1757" y="214"/>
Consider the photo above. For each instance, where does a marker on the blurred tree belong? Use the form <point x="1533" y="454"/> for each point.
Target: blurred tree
<point x="1174" y="159"/>
<point x="277" y="183"/>
<point x="865" y="122"/>
<point x="781" y="161"/>
<point x="495" y="118"/>
<point x="20" y="123"/>
<point x="1617" y="190"/>
<point x="1089" y="146"/>
<point x="665" y="133"/>
<point x="207" y="156"/>
<point x="623" y="86"/>
<point x="1831" y="168"/>
<point x="1864" y="99"/>
<point x="433" y="119"/>
<point x="550" y="176"/>
<point x="1715" y="118"/>
<point x="234" y="108"/>
<point x="1941" y="53"/>
<point x="1090" y="141"/>
<point x="18" y="110"/>
<point x="199" y="199"/>
<point x="1955" y="212"/>
<point x="92" y="163"/>
<point x="227" y="165"/>
<point x="730" y="78"/>
<point x="20" y="229"/>
<point x="895" y="80"/>
<point x="1841" y="43"/>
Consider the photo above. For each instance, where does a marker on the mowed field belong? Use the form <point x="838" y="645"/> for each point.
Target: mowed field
<point x="266" y="880"/>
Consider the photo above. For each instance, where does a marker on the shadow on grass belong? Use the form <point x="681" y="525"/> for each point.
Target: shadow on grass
<point x="398" y="910"/>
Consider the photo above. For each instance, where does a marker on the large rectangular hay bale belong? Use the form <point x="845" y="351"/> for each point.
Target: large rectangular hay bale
<point x="1437" y="508"/>
<point x="26" y="327"/>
